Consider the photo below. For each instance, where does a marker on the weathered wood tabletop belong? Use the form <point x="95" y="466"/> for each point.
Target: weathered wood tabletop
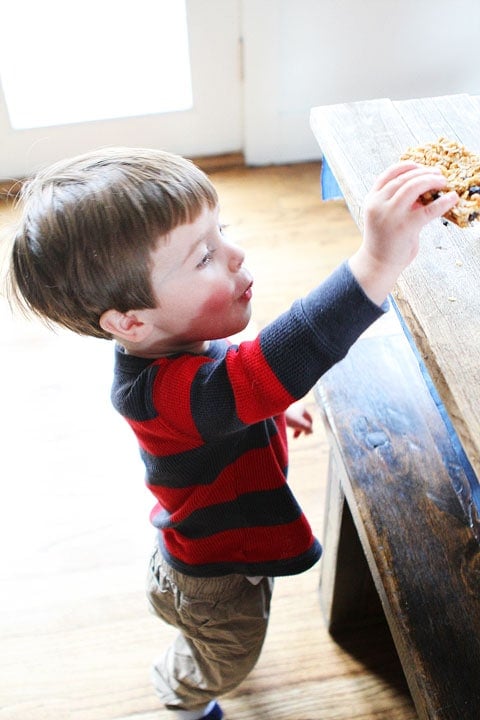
<point x="439" y="294"/>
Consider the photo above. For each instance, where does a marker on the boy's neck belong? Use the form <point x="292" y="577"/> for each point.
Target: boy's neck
<point x="157" y="351"/>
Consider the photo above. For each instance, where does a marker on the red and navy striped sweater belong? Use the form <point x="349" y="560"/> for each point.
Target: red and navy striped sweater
<point x="211" y="430"/>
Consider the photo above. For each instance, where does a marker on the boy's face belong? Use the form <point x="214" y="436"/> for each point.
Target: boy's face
<point x="202" y="289"/>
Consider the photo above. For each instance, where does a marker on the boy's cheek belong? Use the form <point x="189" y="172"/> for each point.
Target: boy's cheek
<point x="214" y="302"/>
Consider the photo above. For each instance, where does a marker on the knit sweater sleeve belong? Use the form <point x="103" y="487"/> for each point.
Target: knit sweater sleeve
<point x="318" y="331"/>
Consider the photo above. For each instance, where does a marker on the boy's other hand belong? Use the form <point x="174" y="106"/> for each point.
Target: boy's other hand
<point x="299" y="419"/>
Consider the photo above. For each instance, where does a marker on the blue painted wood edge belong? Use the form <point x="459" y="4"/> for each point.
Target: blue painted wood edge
<point x="329" y="186"/>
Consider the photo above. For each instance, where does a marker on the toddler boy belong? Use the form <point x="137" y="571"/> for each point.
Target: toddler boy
<point x="126" y="244"/>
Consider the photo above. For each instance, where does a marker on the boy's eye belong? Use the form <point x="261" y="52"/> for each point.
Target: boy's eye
<point x="206" y="258"/>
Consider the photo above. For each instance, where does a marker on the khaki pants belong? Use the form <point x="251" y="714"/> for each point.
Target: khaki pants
<point x="222" y="623"/>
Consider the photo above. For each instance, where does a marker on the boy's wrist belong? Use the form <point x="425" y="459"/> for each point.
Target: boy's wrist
<point x="376" y="278"/>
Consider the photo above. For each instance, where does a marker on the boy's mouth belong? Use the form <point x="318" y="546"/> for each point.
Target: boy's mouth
<point x="247" y="294"/>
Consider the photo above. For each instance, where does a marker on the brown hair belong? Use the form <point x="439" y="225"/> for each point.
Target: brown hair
<point x="88" y="228"/>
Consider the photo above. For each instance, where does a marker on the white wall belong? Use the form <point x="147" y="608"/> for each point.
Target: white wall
<point x="303" y="53"/>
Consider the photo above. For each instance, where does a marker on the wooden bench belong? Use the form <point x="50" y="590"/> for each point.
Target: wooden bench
<point x="400" y="525"/>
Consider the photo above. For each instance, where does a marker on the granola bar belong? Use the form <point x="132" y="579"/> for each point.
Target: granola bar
<point x="462" y="170"/>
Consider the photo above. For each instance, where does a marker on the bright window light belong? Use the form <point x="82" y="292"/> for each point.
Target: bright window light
<point x="63" y="62"/>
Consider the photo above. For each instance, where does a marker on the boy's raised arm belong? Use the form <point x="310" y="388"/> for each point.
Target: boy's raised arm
<point x="394" y="217"/>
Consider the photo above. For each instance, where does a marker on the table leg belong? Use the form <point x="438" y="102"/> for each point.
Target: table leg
<point x="348" y="595"/>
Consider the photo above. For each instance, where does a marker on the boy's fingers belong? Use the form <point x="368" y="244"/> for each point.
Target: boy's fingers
<point x="405" y="182"/>
<point x="414" y="185"/>
<point x="397" y="171"/>
<point x="440" y="206"/>
<point x="392" y="172"/>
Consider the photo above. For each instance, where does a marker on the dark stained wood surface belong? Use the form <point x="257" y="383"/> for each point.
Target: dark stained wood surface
<point x="439" y="294"/>
<point x="393" y="460"/>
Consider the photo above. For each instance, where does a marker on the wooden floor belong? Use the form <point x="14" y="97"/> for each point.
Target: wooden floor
<point x="76" y="637"/>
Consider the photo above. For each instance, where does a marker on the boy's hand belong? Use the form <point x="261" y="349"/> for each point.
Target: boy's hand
<point x="394" y="217"/>
<point x="299" y="419"/>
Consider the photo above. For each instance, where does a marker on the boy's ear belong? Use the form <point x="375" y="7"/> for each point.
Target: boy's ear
<point x="125" y="326"/>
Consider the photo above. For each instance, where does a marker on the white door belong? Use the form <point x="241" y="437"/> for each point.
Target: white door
<point x="210" y="124"/>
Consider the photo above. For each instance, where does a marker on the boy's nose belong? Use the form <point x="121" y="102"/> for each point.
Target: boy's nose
<point x="236" y="258"/>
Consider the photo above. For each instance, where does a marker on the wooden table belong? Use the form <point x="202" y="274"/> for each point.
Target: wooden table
<point x="438" y="297"/>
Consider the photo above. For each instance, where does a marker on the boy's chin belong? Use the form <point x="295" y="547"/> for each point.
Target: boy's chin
<point x="248" y="332"/>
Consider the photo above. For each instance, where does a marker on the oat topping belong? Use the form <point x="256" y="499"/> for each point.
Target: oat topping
<point x="462" y="170"/>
